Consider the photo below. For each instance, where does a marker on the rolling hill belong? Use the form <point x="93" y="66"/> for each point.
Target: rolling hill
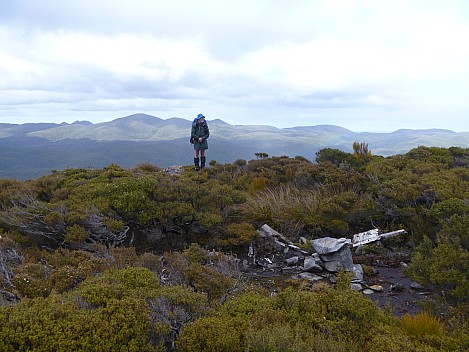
<point x="33" y="150"/>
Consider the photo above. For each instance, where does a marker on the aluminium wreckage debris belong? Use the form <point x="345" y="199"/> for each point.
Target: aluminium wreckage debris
<point x="373" y="236"/>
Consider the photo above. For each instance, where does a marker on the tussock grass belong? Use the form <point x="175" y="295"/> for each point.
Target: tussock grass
<point x="284" y="207"/>
<point x="422" y="324"/>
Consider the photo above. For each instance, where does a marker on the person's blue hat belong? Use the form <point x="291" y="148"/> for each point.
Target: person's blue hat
<point x="199" y="116"/>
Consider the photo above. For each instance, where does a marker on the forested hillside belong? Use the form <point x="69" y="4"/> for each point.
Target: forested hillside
<point x="142" y="259"/>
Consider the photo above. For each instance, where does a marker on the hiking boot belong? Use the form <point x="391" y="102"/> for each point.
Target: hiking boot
<point x="196" y="164"/>
<point x="202" y="164"/>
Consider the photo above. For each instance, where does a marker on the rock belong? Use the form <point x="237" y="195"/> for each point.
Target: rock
<point x="315" y="269"/>
<point x="376" y="288"/>
<point x="332" y="267"/>
<point x="416" y="286"/>
<point x="326" y="245"/>
<point x="397" y="288"/>
<point x="342" y="258"/>
<point x="359" y="250"/>
<point x="174" y="170"/>
<point x="265" y="262"/>
<point x="310" y="277"/>
<point x="318" y="260"/>
<point x="356" y="287"/>
<point x="245" y="266"/>
<point x="335" y="253"/>
<point x="357" y="272"/>
<point x="289" y="270"/>
<point x="310" y="265"/>
<point x="252" y="254"/>
<point x="6" y="298"/>
<point x="292" y="261"/>
<point x="403" y="265"/>
<point x="303" y="240"/>
<point x="368" y="291"/>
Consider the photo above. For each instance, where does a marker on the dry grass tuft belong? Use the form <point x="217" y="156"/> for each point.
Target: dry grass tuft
<point x="422" y="324"/>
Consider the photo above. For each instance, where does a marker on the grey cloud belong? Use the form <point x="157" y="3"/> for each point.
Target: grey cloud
<point x="78" y="84"/>
<point x="56" y="14"/>
<point x="326" y="100"/>
<point x="225" y="36"/>
<point x="104" y="16"/>
<point x="233" y="40"/>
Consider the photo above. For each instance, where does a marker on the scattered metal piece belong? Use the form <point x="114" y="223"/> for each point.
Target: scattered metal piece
<point x="376" y="288"/>
<point x="373" y="236"/>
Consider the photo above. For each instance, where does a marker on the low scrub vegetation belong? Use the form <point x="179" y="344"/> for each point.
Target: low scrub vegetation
<point x="142" y="260"/>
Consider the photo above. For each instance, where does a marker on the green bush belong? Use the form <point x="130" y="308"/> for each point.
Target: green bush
<point x="325" y="320"/>
<point x="102" y="314"/>
<point x="31" y="280"/>
<point x="42" y="272"/>
<point x="115" y="284"/>
<point x="76" y="234"/>
<point x="444" y="266"/>
<point x="238" y="234"/>
<point x="120" y="310"/>
<point x="424" y="191"/>
<point x="55" y="324"/>
<point x="207" y="280"/>
<point x="215" y="334"/>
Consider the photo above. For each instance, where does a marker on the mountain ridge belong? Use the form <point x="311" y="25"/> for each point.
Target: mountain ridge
<point x="165" y="142"/>
<point x="140" y="120"/>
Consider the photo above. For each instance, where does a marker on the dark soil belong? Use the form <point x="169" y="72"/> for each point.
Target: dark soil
<point x="397" y="292"/>
<point x="400" y="293"/>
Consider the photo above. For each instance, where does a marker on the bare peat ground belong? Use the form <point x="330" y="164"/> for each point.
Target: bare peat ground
<point x="399" y="293"/>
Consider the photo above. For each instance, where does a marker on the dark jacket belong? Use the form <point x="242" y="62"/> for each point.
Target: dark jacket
<point x="200" y="130"/>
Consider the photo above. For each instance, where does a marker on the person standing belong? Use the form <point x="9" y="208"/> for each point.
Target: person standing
<point x="199" y="136"/>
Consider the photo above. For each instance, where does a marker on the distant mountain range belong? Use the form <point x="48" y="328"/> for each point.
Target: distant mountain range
<point x="35" y="149"/>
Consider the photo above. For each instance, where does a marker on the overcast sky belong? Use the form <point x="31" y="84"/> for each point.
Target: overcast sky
<point x="376" y="65"/>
